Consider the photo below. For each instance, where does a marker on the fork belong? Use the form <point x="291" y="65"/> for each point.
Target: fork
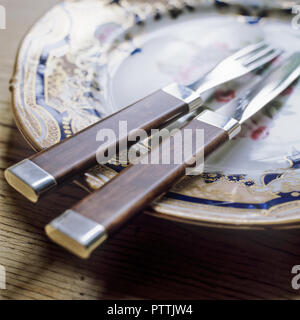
<point x="49" y="168"/>
<point x="237" y="65"/>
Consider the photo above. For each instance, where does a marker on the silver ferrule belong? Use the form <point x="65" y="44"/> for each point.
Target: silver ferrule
<point x="76" y="233"/>
<point x="215" y="119"/>
<point x="29" y="179"/>
<point x="185" y="94"/>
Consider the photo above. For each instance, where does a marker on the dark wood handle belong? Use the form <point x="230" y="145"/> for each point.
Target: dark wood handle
<point x="138" y="185"/>
<point x="85" y="226"/>
<point x="49" y="168"/>
<point x="78" y="152"/>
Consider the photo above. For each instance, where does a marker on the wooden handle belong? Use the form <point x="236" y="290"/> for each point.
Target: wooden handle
<point x="53" y="166"/>
<point x="78" y="153"/>
<point x="138" y="185"/>
<point x="109" y="208"/>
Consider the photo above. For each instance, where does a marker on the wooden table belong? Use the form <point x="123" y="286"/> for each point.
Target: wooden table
<point x="151" y="259"/>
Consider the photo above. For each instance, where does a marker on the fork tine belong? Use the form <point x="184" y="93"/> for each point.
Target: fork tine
<point x="251" y="48"/>
<point x="261" y="53"/>
<point x="265" y="59"/>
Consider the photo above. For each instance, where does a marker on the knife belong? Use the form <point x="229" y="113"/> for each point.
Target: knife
<point x="87" y="224"/>
<point x="51" y="167"/>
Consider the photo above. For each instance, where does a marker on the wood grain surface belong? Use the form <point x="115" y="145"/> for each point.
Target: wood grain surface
<point x="150" y="259"/>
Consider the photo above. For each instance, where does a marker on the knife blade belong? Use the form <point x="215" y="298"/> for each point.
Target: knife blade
<point x="87" y="224"/>
<point x="264" y="91"/>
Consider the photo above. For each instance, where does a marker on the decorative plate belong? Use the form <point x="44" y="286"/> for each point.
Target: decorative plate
<point x="86" y="59"/>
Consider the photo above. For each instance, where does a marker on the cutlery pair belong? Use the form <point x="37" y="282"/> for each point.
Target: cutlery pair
<point x="51" y="167"/>
<point x="85" y="226"/>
